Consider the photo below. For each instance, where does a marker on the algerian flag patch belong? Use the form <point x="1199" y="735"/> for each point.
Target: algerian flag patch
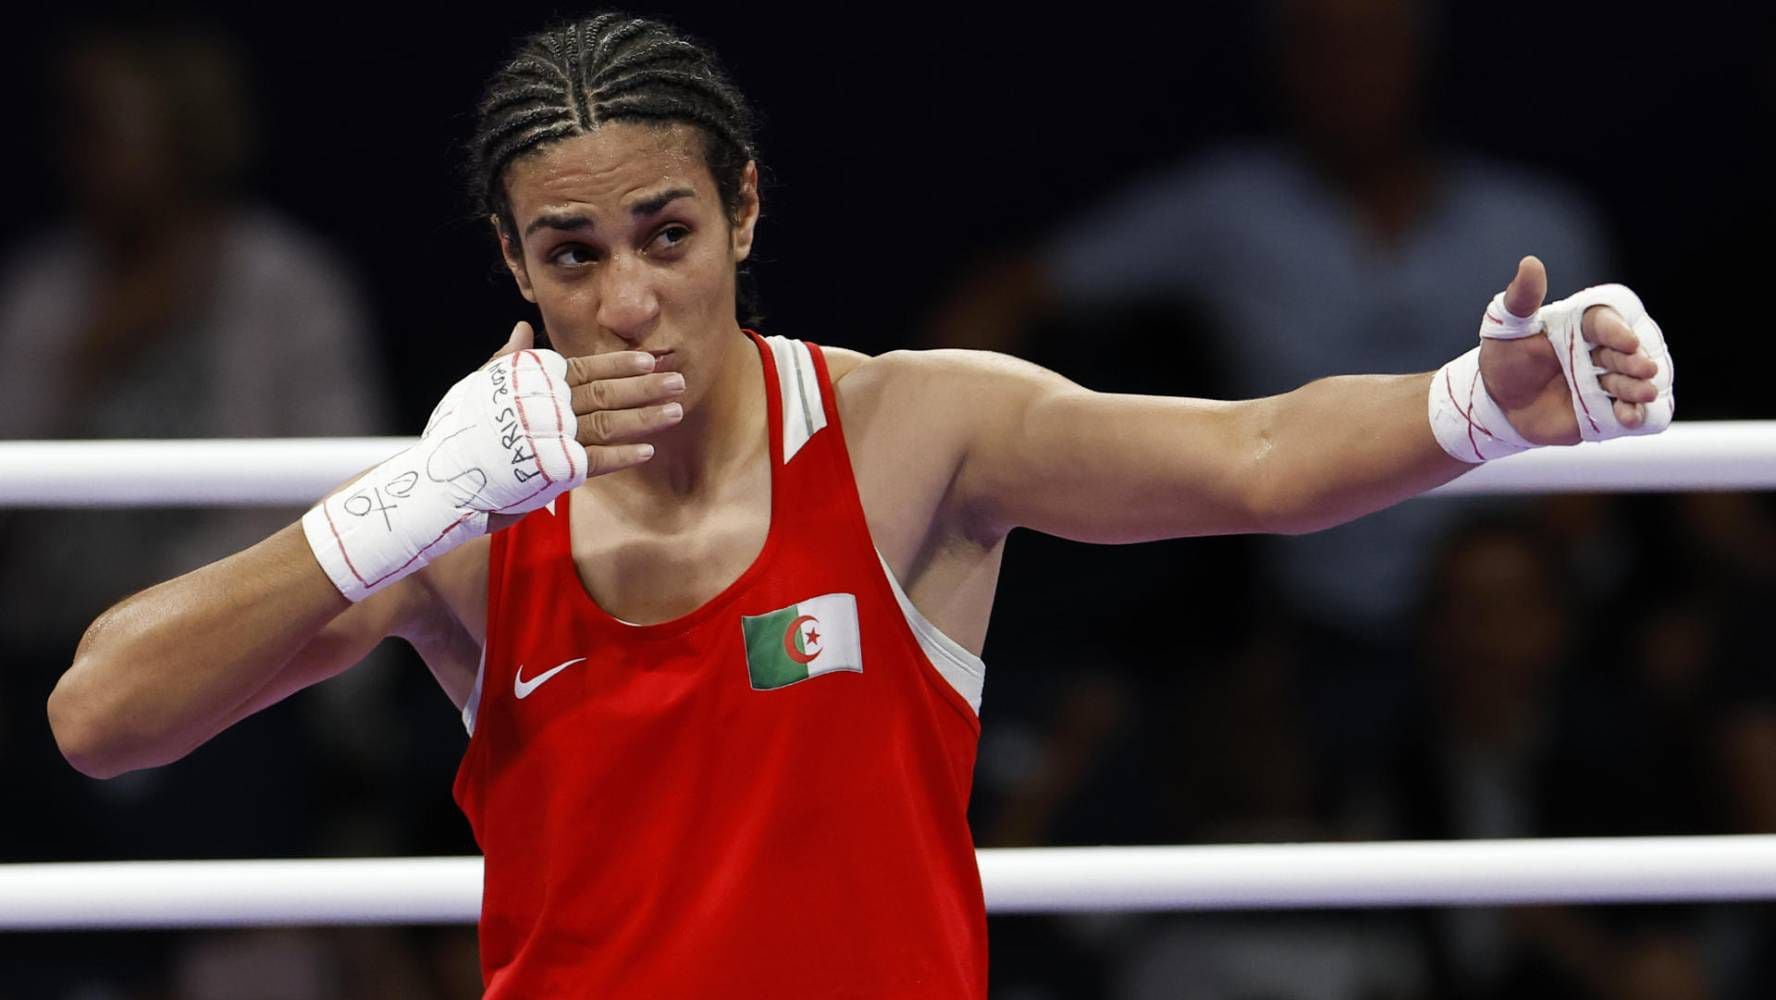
<point x="816" y="636"/>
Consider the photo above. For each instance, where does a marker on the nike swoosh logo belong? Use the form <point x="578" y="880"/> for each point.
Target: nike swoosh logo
<point x="522" y="688"/>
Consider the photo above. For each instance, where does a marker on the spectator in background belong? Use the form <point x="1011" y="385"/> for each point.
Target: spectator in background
<point x="1351" y="243"/>
<point x="1245" y="773"/>
<point x="1542" y="729"/>
<point x="166" y="305"/>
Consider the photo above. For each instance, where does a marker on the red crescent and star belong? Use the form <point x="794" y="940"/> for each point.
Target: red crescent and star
<point x="792" y="635"/>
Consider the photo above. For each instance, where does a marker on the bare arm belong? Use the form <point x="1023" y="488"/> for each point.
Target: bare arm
<point x="1032" y="449"/>
<point x="168" y="668"/>
<point x="1036" y="450"/>
<point x="1341" y="447"/>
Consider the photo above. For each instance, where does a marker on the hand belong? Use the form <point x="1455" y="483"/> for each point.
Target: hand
<point x="498" y="445"/>
<point x="1524" y="377"/>
<point x="616" y="400"/>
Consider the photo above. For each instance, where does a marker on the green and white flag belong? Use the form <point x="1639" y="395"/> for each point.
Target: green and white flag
<point x="815" y="636"/>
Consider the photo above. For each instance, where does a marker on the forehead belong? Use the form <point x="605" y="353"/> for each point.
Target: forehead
<point x="606" y="167"/>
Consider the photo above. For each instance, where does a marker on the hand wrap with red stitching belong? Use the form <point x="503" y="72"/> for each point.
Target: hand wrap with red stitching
<point x="500" y="442"/>
<point x="1471" y="426"/>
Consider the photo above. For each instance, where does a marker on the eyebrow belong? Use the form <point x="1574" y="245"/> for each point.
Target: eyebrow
<point x="574" y="220"/>
<point x="558" y="220"/>
<point x="659" y="201"/>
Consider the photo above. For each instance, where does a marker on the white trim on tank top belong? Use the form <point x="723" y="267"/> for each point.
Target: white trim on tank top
<point x="799" y="389"/>
<point x="963" y="670"/>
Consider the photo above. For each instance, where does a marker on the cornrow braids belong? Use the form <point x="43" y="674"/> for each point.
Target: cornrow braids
<point x="570" y="78"/>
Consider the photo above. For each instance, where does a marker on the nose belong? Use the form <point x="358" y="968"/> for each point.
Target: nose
<point x="628" y="302"/>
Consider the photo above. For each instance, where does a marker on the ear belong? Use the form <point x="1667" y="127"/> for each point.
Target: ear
<point x="514" y="255"/>
<point x="749" y="212"/>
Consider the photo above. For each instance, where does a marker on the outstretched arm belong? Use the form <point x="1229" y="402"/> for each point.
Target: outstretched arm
<point x="1035" y="450"/>
<point x="1044" y="453"/>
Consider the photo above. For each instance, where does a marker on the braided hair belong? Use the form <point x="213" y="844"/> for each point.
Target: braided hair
<point x="568" y="79"/>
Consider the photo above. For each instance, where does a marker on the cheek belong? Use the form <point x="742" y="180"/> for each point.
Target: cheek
<point x="568" y="310"/>
<point x="714" y="270"/>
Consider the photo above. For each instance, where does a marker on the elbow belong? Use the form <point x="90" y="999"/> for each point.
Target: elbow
<point x="88" y="732"/>
<point x="1273" y="503"/>
<point x="1281" y="498"/>
<point x="1290" y="513"/>
<point x="1281" y="520"/>
<point x="79" y="735"/>
<point x="75" y="735"/>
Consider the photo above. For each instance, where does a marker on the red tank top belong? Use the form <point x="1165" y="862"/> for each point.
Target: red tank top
<point x="764" y="797"/>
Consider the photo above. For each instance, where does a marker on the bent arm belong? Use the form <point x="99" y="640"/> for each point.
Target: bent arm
<point x="1038" y="451"/>
<point x="168" y="668"/>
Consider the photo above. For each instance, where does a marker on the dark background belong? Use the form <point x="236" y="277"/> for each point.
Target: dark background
<point x="902" y="144"/>
<point x="903" y="149"/>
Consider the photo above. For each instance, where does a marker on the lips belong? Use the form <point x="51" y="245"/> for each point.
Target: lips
<point x="665" y="361"/>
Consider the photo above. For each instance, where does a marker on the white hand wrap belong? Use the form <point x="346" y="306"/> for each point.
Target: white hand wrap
<point x="1471" y="426"/>
<point x="1597" y="418"/>
<point x="500" y="442"/>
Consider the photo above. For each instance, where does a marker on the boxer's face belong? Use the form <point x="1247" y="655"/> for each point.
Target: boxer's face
<point x="623" y="244"/>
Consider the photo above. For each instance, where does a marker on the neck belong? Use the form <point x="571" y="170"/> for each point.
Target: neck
<point x="720" y="431"/>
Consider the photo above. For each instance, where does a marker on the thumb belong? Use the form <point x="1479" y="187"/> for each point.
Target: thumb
<point x="1527" y="289"/>
<point x="522" y="339"/>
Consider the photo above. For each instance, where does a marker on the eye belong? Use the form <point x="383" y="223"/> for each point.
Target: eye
<point x="671" y="236"/>
<point x="562" y="254"/>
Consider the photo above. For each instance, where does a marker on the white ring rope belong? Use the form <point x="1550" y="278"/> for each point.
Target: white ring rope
<point x="266" y="472"/>
<point x="1051" y="880"/>
<point x="1700" y="455"/>
<point x="1723" y="455"/>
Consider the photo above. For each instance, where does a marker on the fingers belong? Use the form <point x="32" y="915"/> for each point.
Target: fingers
<point x="618" y="398"/>
<point x="611" y="426"/>
<point x="626" y="409"/>
<point x="1632" y="365"/>
<point x="1627" y="389"/>
<point x="616" y="364"/>
<point x="1630" y="414"/>
<point x="1626" y="373"/>
<point x="625" y="393"/>
<point x="1527" y="290"/>
<point x="1605" y="327"/>
<point x="602" y="459"/>
<point x="615" y="399"/>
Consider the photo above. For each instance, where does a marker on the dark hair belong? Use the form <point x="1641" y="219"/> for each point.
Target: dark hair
<point x="570" y="78"/>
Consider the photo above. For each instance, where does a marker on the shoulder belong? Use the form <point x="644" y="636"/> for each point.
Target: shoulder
<point x="842" y="361"/>
<point x="939" y="370"/>
<point x="946" y="394"/>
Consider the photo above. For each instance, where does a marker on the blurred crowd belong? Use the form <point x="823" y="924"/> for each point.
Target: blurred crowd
<point x="1568" y="665"/>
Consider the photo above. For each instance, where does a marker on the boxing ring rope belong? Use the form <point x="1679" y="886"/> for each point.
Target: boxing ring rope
<point x="1723" y="455"/>
<point x="111" y="895"/>
<point x="1698" y="455"/>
